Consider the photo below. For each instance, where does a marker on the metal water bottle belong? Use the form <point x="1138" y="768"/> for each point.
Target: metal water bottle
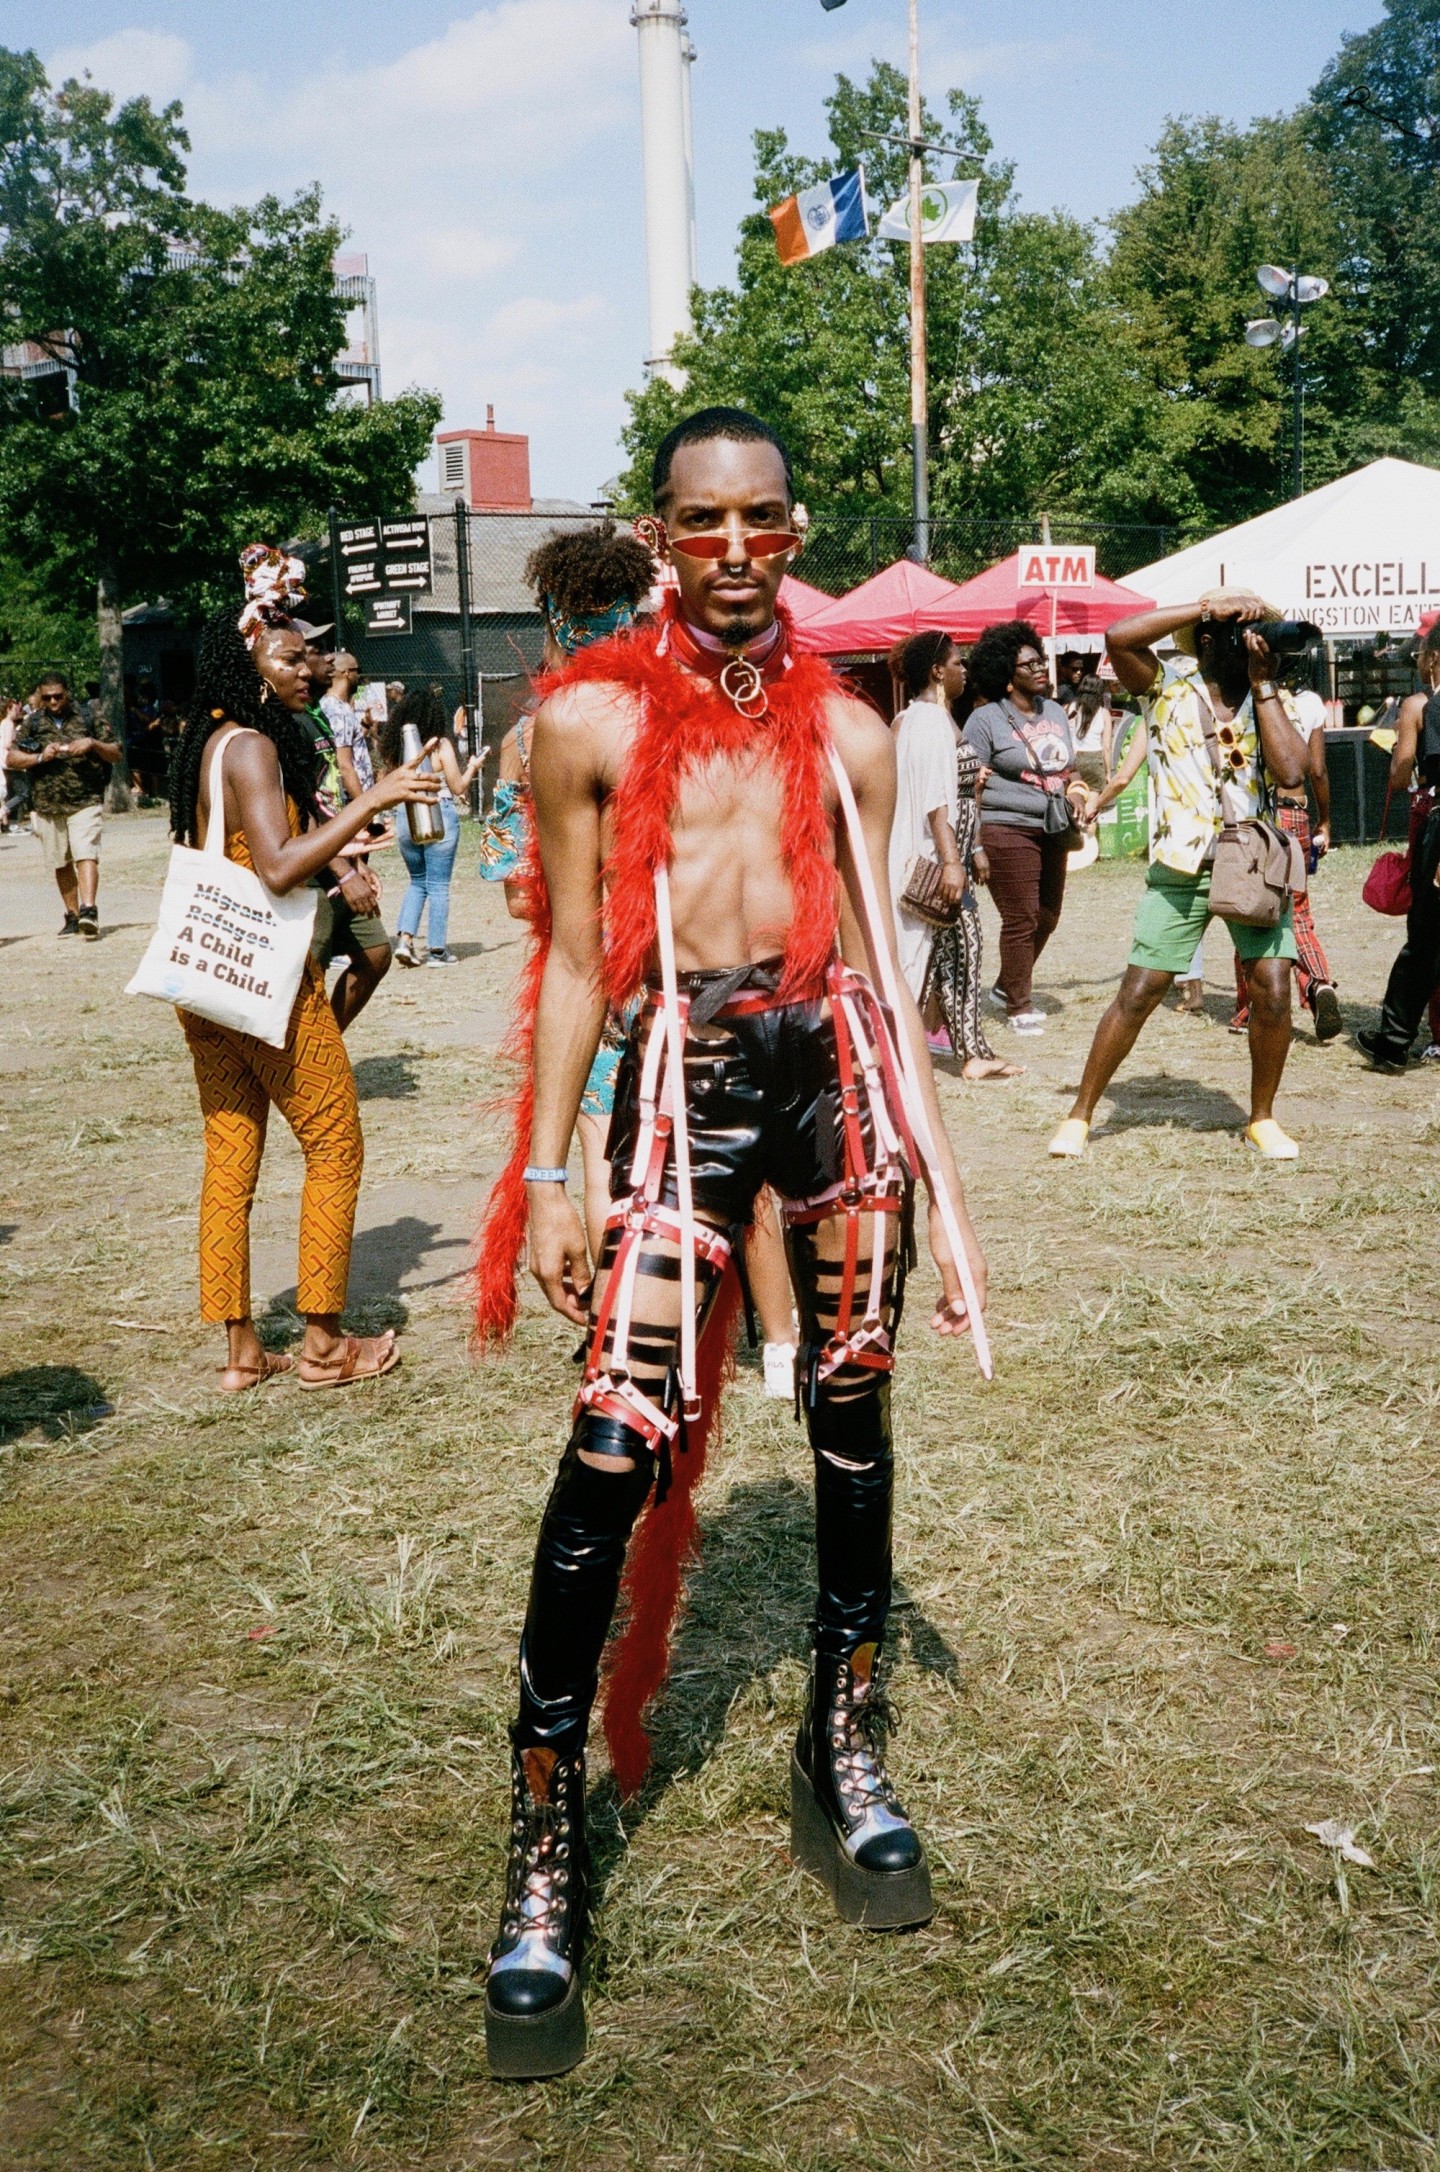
<point x="427" y="824"/>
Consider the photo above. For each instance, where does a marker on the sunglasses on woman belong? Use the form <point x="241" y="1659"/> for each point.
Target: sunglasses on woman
<point x="763" y="543"/>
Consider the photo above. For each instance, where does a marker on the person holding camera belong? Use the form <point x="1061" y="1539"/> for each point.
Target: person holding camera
<point x="1218" y="736"/>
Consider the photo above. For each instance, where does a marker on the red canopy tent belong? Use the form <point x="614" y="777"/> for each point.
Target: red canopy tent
<point x="802" y="600"/>
<point x="905" y="599"/>
<point x="995" y="596"/>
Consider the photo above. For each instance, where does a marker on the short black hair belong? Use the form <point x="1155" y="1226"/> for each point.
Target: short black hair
<point x="590" y="569"/>
<point x="701" y="428"/>
<point x="995" y="654"/>
<point x="52" y="678"/>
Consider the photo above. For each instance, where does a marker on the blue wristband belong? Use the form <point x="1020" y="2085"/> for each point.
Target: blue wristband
<point x="546" y="1176"/>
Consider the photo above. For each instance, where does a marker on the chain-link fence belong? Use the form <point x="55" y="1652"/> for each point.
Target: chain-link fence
<point x="475" y="633"/>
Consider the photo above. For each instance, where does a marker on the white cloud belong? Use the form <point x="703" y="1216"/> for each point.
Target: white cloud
<point x="131" y="63"/>
<point x="474" y="171"/>
<point x="532" y="317"/>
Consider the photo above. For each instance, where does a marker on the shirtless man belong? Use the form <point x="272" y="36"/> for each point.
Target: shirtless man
<point x="702" y="751"/>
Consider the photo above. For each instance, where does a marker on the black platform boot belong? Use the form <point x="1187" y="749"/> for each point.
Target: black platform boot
<point x="534" y="2013"/>
<point x="847" y="1825"/>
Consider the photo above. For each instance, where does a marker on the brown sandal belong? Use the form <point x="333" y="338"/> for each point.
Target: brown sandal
<point x="360" y="1357"/>
<point x="269" y="1368"/>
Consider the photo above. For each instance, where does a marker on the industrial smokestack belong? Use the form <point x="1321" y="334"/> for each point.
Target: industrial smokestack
<point x="666" y="55"/>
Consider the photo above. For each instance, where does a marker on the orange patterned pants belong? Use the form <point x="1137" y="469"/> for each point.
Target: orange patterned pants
<point x="311" y="1084"/>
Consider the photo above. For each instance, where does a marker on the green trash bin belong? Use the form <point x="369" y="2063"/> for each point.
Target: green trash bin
<point x="1123" y="830"/>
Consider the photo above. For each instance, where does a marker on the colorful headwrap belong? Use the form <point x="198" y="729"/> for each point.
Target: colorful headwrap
<point x="274" y="589"/>
<point x="588" y="627"/>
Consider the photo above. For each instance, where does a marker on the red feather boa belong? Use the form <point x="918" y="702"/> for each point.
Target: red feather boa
<point x="683" y="723"/>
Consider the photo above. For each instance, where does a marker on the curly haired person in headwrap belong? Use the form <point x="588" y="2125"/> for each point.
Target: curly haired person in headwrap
<point x="250" y="686"/>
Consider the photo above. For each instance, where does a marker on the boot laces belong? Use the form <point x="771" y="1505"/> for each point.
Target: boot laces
<point x="860" y="1725"/>
<point x="540" y="1870"/>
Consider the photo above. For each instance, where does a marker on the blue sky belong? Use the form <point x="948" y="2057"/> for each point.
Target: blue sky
<point x="487" y="157"/>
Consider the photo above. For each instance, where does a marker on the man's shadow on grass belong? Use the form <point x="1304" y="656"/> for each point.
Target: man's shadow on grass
<point x="386" y="1078"/>
<point x="1156" y="1100"/>
<point x="749" y="1603"/>
<point x="381" y="1261"/>
<point x="59" y="1401"/>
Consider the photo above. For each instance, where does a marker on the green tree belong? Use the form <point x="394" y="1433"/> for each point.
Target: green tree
<point x="1215" y="203"/>
<point x="1032" y="406"/>
<point x="199" y="347"/>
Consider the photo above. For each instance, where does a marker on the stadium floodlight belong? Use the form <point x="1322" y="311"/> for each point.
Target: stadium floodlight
<point x="1297" y="289"/>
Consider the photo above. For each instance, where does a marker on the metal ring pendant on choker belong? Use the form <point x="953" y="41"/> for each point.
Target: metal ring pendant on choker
<point x="743" y="680"/>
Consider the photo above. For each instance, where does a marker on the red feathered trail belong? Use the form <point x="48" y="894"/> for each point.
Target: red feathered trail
<point x="661" y="1551"/>
<point x="502" y="1228"/>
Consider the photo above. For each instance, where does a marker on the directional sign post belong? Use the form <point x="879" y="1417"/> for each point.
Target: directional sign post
<point x="387" y="615"/>
<point x="359" y="545"/>
<point x="405" y="554"/>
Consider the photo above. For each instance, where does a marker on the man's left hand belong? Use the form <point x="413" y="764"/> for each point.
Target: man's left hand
<point x="1320" y="838"/>
<point x="78" y="747"/>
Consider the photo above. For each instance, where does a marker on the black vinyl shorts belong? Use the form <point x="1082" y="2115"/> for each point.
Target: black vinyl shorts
<point x="762" y="1099"/>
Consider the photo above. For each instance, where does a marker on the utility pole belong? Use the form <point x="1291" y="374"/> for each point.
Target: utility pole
<point x="919" y="372"/>
<point x="1299" y="416"/>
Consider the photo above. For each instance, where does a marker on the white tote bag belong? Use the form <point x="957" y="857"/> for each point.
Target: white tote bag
<point x="225" y="947"/>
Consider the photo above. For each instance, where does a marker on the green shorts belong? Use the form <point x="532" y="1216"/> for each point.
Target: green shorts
<point x="1173" y="915"/>
<point x="341" y="933"/>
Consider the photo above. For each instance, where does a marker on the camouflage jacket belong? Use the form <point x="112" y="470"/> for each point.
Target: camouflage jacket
<point x="73" y="781"/>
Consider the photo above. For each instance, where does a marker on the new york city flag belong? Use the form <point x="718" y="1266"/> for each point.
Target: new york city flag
<point x="817" y="218"/>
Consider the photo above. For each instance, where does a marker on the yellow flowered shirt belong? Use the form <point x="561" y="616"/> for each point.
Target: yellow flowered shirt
<point x="1185" y="810"/>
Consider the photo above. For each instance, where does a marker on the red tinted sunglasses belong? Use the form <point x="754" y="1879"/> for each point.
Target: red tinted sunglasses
<point x="764" y="543"/>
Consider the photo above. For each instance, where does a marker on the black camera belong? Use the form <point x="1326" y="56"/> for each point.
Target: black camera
<point x="1286" y="636"/>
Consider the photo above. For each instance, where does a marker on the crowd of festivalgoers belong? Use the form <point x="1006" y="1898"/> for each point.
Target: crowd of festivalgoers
<point x="1004" y="767"/>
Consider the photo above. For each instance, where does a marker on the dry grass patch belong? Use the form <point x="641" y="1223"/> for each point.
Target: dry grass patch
<point x="1167" y="1595"/>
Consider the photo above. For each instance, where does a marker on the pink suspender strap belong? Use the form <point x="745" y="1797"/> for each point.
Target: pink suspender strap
<point x="912" y="1097"/>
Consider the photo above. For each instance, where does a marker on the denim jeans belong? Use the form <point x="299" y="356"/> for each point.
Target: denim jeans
<point x="430" y="868"/>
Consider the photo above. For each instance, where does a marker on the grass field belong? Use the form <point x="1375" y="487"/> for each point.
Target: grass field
<point x="1167" y="1596"/>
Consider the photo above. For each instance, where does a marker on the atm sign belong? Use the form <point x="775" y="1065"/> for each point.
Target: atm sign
<point x="1049" y="565"/>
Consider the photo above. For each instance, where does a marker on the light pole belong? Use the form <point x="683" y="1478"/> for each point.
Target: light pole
<point x="1298" y="290"/>
<point x="919" y="371"/>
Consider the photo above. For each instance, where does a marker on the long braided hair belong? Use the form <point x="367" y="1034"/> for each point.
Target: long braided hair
<point x="229" y="689"/>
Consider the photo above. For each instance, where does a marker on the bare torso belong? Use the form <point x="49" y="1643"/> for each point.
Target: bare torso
<point x="730" y="893"/>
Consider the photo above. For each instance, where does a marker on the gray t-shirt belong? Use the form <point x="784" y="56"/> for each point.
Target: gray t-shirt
<point x="991" y="731"/>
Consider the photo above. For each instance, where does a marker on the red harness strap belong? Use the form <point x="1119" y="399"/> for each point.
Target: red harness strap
<point x="609" y="1388"/>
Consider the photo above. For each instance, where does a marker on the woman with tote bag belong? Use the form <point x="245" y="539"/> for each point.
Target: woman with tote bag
<point x="244" y="747"/>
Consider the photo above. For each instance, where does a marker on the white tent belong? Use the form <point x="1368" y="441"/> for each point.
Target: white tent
<point x="1358" y="557"/>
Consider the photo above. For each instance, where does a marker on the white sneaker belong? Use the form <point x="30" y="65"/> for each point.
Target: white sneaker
<point x="1431" y="1054"/>
<point x="1031" y="1021"/>
<point x="780" y="1372"/>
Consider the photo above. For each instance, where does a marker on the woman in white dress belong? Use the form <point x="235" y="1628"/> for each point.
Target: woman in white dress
<point x="930" y="668"/>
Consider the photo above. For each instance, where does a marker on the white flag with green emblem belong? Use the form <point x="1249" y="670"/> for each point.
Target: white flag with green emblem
<point x="947" y="213"/>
